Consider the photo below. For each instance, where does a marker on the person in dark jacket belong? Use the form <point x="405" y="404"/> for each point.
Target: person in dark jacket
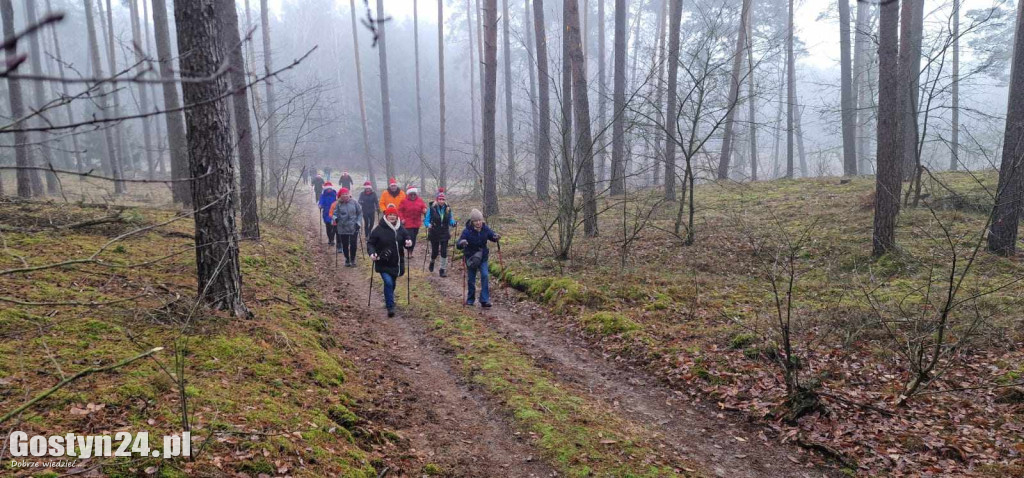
<point x="318" y="187"/>
<point x="386" y="253"/>
<point x="346" y="216"/>
<point x="327" y="199"/>
<point x="345" y="180"/>
<point x="368" y="203"/>
<point x="473" y="244"/>
<point x="439" y="221"/>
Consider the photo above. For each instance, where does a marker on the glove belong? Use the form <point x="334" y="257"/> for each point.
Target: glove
<point x="373" y="256"/>
<point x="408" y="243"/>
<point x="497" y="237"/>
<point x="463" y="243"/>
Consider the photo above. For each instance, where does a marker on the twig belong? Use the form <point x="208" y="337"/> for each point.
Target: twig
<point x="88" y="371"/>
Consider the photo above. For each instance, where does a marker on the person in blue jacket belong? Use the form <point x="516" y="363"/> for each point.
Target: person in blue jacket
<point x="327" y="198"/>
<point x="439" y="221"/>
<point x="473" y="244"/>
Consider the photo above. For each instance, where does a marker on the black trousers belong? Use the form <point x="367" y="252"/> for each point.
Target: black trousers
<point x="438" y="246"/>
<point x="413" y="231"/>
<point x="369" y="220"/>
<point x="330" y="232"/>
<point x="348" y="244"/>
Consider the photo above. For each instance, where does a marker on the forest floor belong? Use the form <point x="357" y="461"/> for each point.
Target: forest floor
<point x="702" y="318"/>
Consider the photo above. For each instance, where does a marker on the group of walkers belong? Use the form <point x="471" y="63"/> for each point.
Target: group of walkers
<point x="390" y="241"/>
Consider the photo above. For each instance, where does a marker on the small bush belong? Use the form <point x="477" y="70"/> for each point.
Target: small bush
<point x="609" y="323"/>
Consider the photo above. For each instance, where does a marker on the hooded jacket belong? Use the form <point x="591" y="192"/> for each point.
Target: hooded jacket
<point x="327" y="198"/>
<point x="411" y="211"/>
<point x="347" y="216"/>
<point x="440" y="219"/>
<point x="389" y="244"/>
<point x="368" y="202"/>
<point x="476" y="240"/>
<point x="318" y="186"/>
<point x="387" y="198"/>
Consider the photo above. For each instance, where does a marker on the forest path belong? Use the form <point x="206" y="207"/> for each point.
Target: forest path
<point x="696" y="431"/>
<point x="413" y="388"/>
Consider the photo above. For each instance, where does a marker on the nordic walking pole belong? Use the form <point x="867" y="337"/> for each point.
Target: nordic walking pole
<point x="370" y="294"/>
<point x="464" y="281"/>
<point x="408" y="284"/>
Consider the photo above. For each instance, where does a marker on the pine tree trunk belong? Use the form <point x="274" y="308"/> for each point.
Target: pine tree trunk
<point x="510" y="139"/>
<point x="568" y="179"/>
<point x="671" y="115"/>
<point x="752" y="96"/>
<point x="473" y="67"/>
<point x="121" y="155"/>
<point x="147" y="139"/>
<point x="954" y="147"/>
<point x="175" y="120"/>
<point x="68" y="109"/>
<point x="17" y="106"/>
<point x="276" y="165"/>
<point x="1002" y="238"/>
<point x="659" y="89"/>
<point x="619" y="102"/>
<point x="158" y="133"/>
<point x="734" y="93"/>
<point x="861" y="89"/>
<point x="798" y="130"/>
<point x="231" y="44"/>
<point x="581" y="111"/>
<point x="888" y="177"/>
<point x="362" y="99"/>
<point x="790" y="92"/>
<point x="778" y="126"/>
<point x="531" y="73"/>
<point x="543" y="103"/>
<point x="912" y="19"/>
<point x="209" y="155"/>
<point x="109" y="153"/>
<point x="848" y="98"/>
<point x="490" y="21"/>
<point x="41" y="151"/>
<point x="602" y="95"/>
<point x="419" y="107"/>
<point x="385" y="95"/>
<point x="442" y="161"/>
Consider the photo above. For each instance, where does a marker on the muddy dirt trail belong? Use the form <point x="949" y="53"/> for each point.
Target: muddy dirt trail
<point x="725" y="446"/>
<point x="415" y="391"/>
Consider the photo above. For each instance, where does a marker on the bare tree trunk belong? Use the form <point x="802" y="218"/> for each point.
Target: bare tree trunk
<point x="509" y="122"/>
<point x="954" y="147"/>
<point x="888" y="179"/>
<point x="619" y="102"/>
<point x="22" y="157"/>
<point x="209" y="154"/>
<point x="531" y="73"/>
<point x="490" y="22"/>
<point x="798" y="129"/>
<point x="1002" y="238"/>
<point x="848" y="97"/>
<point x="473" y="66"/>
<point x="362" y="99"/>
<point x="151" y="53"/>
<point x="602" y="95"/>
<point x="68" y="109"/>
<point x="790" y="92"/>
<point x="581" y="111"/>
<point x="175" y="120"/>
<point x="544" y="103"/>
<point x="147" y="139"/>
<point x="659" y="91"/>
<point x="752" y="94"/>
<point x="109" y="153"/>
<point x="43" y="153"/>
<point x="231" y="45"/>
<point x="778" y="125"/>
<point x="419" y="108"/>
<point x="734" y="92"/>
<point x="911" y="30"/>
<point x="861" y="89"/>
<point x="385" y="95"/>
<point x="121" y="154"/>
<point x="671" y="115"/>
<point x="271" y="100"/>
<point x="442" y="162"/>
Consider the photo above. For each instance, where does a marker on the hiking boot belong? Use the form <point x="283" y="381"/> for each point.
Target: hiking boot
<point x="469" y="303"/>
<point x="486" y="305"/>
<point x="391" y="312"/>
<point x="443" y="273"/>
<point x="330" y="243"/>
<point x="353" y="263"/>
<point x="431" y="268"/>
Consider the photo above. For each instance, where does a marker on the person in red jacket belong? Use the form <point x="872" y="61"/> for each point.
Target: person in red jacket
<point x="411" y="210"/>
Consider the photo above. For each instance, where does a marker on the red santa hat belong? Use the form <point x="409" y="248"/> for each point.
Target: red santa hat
<point x="343" y="190"/>
<point x="412" y="190"/>
<point x="440" y="190"/>
<point x="392" y="182"/>
<point x="328" y="185"/>
<point x="440" y="196"/>
<point x="368" y="184"/>
<point x="391" y="209"/>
